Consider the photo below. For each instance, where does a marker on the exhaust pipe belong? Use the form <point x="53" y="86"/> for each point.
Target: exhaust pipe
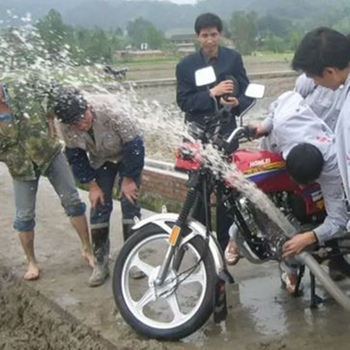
<point x="242" y="247"/>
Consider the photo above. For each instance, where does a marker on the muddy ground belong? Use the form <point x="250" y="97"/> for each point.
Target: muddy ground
<point x="261" y="315"/>
<point x="28" y="320"/>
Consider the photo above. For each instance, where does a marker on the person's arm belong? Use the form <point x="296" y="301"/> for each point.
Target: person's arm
<point x="333" y="225"/>
<point x="133" y="154"/>
<point x="85" y="174"/>
<point x="337" y="217"/>
<point x="343" y="147"/>
<point x="80" y="164"/>
<point x="133" y="158"/>
<point x="264" y="128"/>
<point x="132" y="166"/>
<point x="304" y="85"/>
<point x="132" y="144"/>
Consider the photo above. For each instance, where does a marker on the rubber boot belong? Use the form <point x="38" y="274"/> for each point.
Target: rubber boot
<point x="100" y="248"/>
<point x="135" y="273"/>
<point x="127" y="226"/>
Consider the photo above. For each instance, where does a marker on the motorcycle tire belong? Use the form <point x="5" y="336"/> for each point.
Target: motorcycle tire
<point x="136" y="318"/>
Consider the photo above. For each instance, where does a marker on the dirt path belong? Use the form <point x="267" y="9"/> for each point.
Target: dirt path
<point x="30" y="321"/>
<point x="63" y="282"/>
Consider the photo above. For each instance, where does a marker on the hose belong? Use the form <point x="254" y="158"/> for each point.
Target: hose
<point x="323" y="277"/>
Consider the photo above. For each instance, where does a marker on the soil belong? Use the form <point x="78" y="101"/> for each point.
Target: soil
<point x="29" y="321"/>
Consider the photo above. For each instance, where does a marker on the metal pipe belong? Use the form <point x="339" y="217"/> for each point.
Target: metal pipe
<point x="323" y="277"/>
<point x="240" y="242"/>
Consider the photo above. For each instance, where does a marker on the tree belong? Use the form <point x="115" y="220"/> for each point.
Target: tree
<point x="142" y="31"/>
<point x="294" y="39"/>
<point x="99" y="48"/>
<point x="96" y="45"/>
<point x="56" y="36"/>
<point x="275" y="44"/>
<point x="275" y="25"/>
<point x="244" y="31"/>
<point x="16" y="48"/>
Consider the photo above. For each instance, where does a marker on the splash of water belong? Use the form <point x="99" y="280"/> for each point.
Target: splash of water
<point x="164" y="128"/>
<point x="24" y="58"/>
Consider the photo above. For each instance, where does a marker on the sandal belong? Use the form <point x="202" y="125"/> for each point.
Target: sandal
<point x="232" y="255"/>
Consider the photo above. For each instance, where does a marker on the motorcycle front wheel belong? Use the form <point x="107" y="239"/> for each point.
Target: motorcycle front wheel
<point x="178" y="307"/>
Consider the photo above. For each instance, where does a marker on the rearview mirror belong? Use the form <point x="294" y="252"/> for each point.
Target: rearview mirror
<point x="205" y="76"/>
<point x="255" y="90"/>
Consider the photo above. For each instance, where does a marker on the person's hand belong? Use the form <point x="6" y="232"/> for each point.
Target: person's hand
<point x="298" y="243"/>
<point x="129" y="189"/>
<point x="230" y="101"/>
<point x="95" y="194"/>
<point x="225" y="87"/>
<point x="259" y="130"/>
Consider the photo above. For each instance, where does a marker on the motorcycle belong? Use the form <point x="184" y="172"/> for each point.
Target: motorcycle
<point x="181" y="258"/>
<point x="118" y="74"/>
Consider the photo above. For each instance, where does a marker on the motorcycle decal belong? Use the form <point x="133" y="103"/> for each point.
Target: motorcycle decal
<point x="259" y="175"/>
<point x="259" y="162"/>
<point x="265" y="168"/>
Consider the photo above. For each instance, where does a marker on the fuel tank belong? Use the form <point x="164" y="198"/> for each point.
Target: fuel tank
<point x="266" y="169"/>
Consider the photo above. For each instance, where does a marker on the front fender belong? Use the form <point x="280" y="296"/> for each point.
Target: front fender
<point x="167" y="220"/>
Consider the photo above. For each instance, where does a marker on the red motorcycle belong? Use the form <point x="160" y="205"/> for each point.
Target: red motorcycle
<point x="181" y="258"/>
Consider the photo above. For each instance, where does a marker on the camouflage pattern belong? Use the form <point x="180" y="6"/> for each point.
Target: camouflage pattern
<point x="26" y="145"/>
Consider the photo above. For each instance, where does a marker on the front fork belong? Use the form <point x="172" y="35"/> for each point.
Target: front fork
<point x="175" y="235"/>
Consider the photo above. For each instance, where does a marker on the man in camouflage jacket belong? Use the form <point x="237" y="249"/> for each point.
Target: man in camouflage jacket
<point x="29" y="150"/>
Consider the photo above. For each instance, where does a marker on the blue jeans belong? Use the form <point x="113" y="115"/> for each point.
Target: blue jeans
<point x="62" y="180"/>
<point x="105" y="178"/>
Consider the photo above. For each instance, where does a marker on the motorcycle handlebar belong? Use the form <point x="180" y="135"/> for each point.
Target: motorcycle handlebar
<point x="241" y="132"/>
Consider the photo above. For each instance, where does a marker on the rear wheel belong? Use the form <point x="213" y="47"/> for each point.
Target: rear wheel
<point x="182" y="304"/>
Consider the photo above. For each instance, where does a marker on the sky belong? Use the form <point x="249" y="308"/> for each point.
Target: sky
<point x="180" y="2"/>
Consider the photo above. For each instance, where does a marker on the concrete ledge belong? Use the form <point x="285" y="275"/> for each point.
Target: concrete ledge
<point x="147" y="83"/>
<point x="164" y="168"/>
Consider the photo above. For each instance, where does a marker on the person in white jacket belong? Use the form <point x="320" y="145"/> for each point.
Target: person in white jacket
<point x="308" y="146"/>
<point x="324" y="56"/>
<point x="294" y="125"/>
<point x="326" y="103"/>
